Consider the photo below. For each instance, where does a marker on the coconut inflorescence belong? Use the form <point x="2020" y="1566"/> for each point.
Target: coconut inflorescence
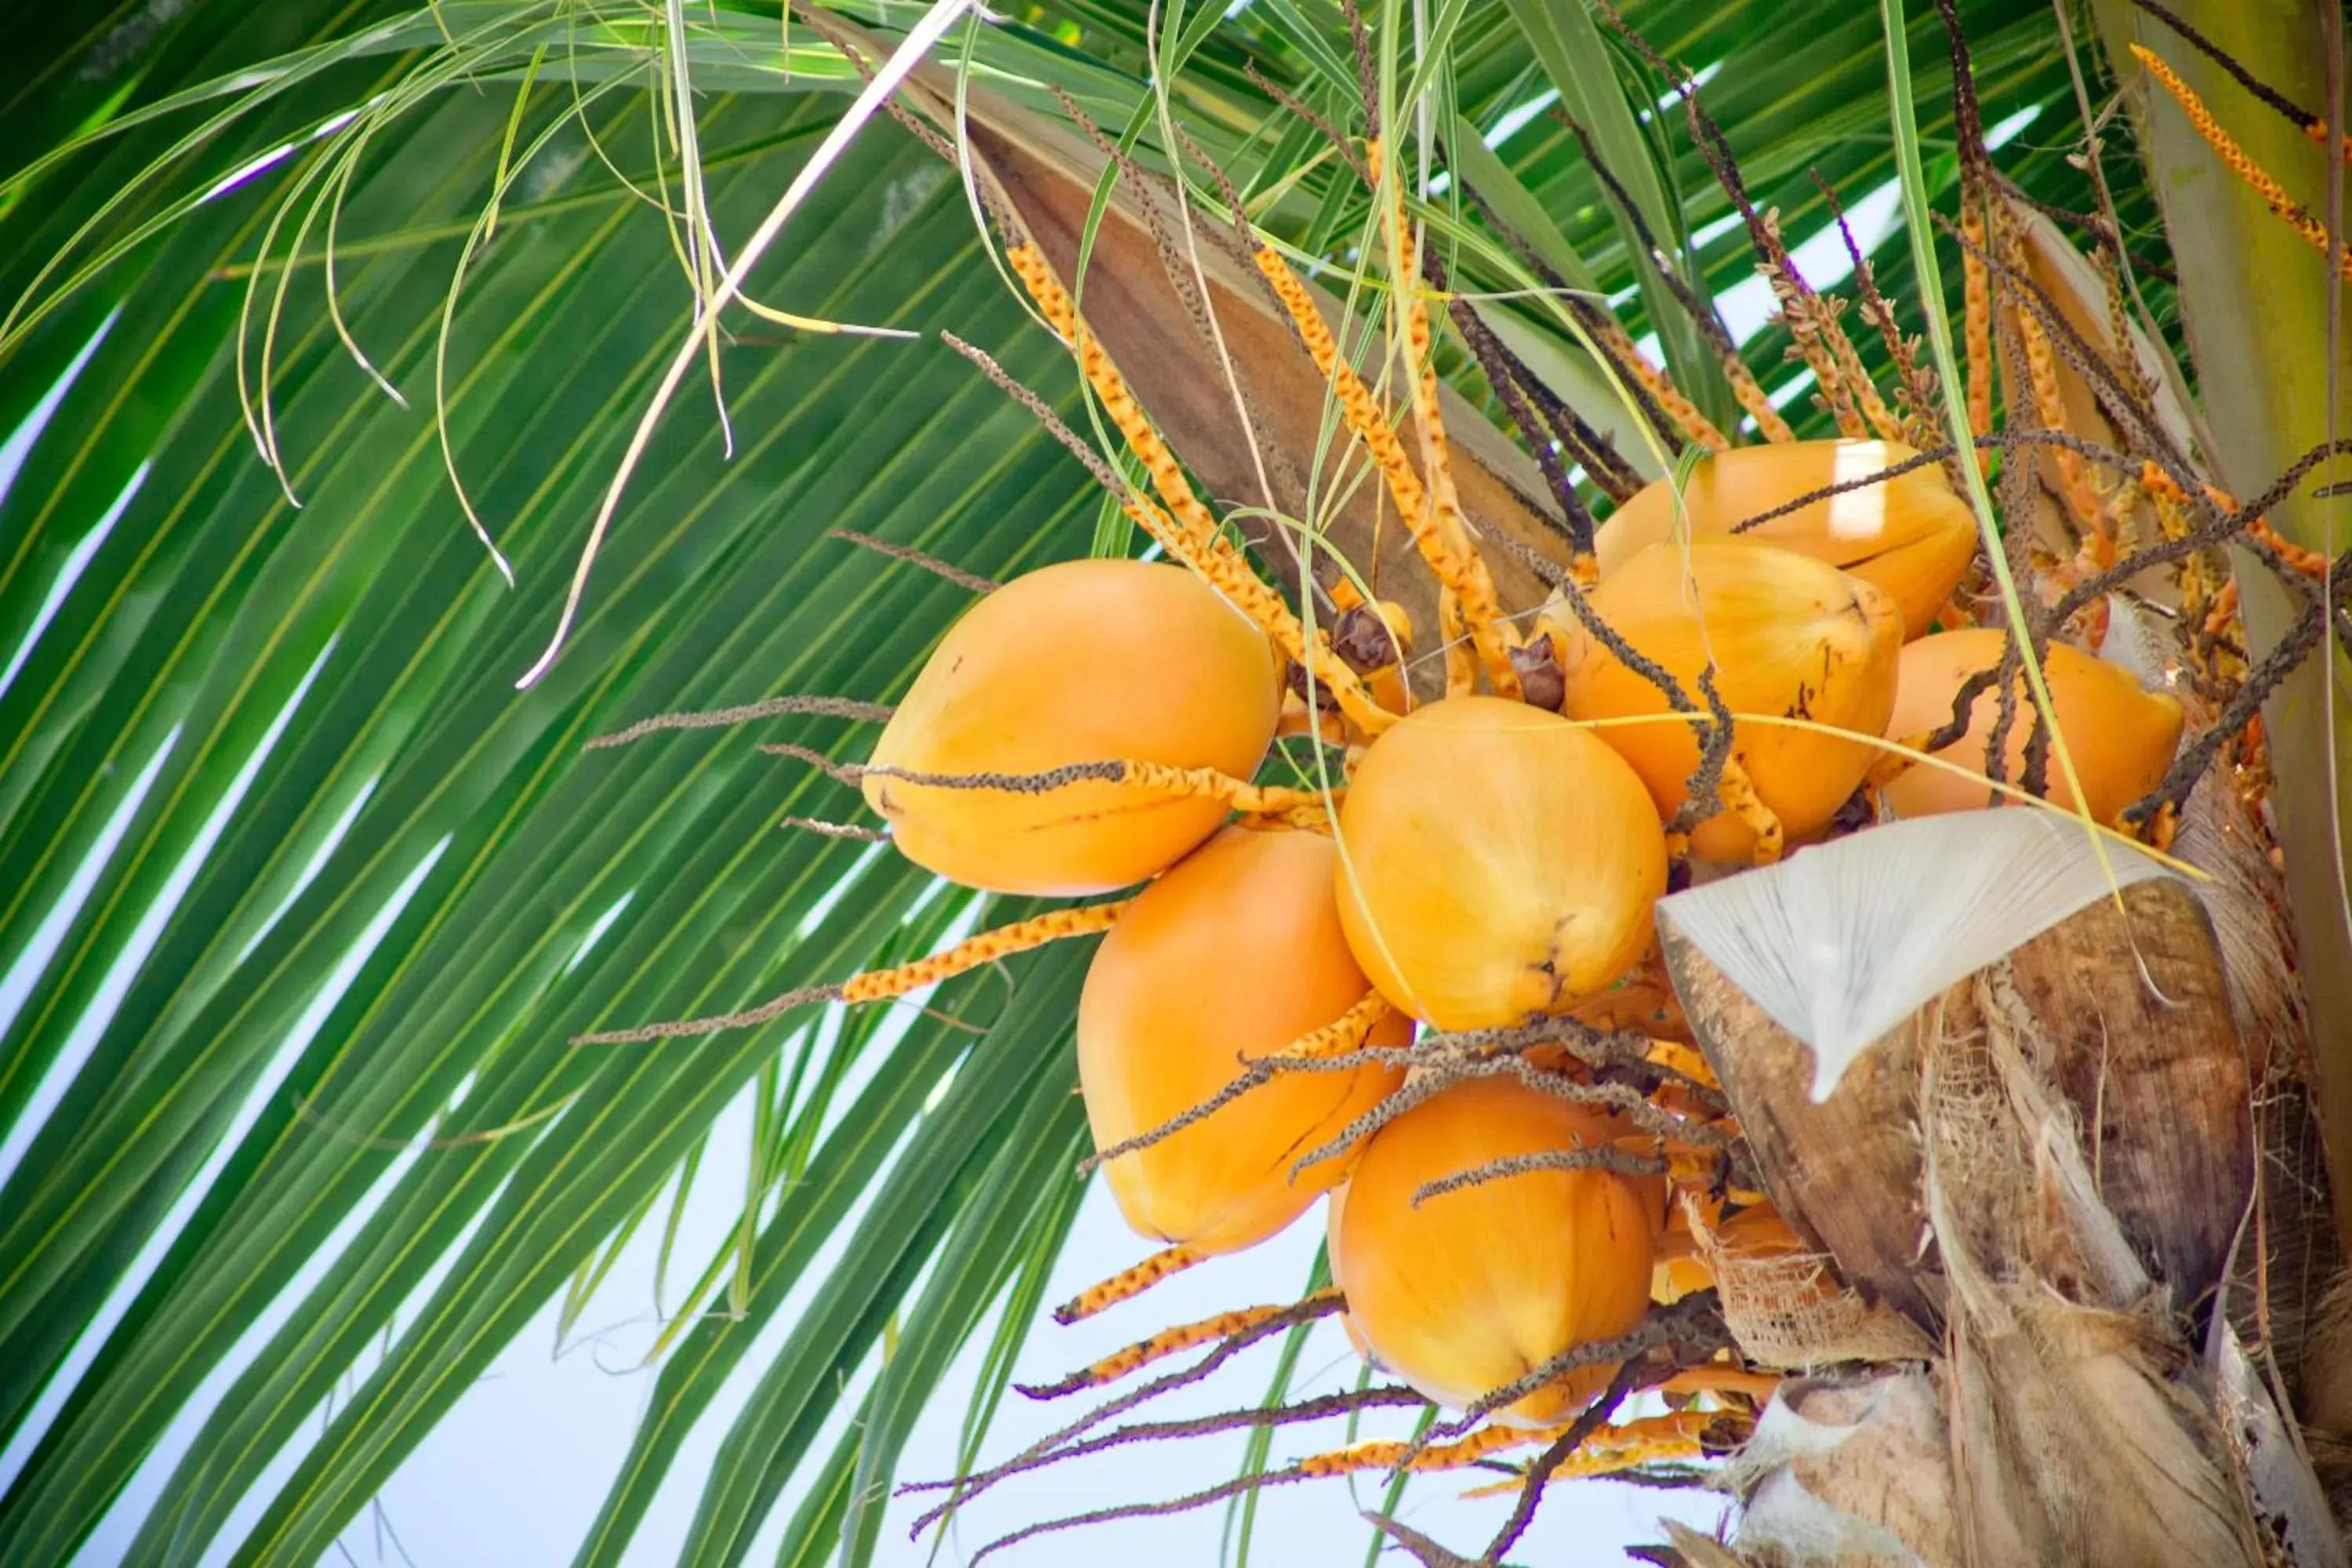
<point x="1408" y="965"/>
<point x="1386" y="934"/>
<point x="1476" y="867"/>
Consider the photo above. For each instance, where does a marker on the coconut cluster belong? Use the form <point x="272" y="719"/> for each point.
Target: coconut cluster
<point x="1480" y="864"/>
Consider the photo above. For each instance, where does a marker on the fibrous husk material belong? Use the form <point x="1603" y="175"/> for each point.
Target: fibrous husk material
<point x="1792" y="1311"/>
<point x="2078" y="1436"/>
<point x="2276" y="1293"/>
<point x="2244" y="894"/>
<point x="1849" y="1472"/>
<point x="2122" y="1006"/>
<point x="2048" y="1166"/>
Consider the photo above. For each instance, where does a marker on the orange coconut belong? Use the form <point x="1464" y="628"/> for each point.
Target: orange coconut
<point x="1909" y="536"/>
<point x="1470" y="1289"/>
<point x="1235" y="954"/>
<point x="1081" y="662"/>
<point x="1501" y="863"/>
<point x="1335" y="1206"/>
<point x="2120" y="737"/>
<point x="1755" y="1235"/>
<point x="1789" y="636"/>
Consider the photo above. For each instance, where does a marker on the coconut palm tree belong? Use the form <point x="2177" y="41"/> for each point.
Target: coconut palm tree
<point x="408" y="397"/>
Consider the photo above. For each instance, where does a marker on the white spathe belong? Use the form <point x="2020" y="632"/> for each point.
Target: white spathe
<point x="1841" y="943"/>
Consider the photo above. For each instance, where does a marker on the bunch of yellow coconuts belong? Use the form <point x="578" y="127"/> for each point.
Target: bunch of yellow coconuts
<point x="1491" y="863"/>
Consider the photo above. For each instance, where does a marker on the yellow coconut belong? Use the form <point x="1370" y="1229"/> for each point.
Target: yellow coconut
<point x="1789" y="636"/>
<point x="1757" y="1234"/>
<point x="1087" y="662"/>
<point x="1909" y="536"/>
<point x="1334" y="1207"/>
<point x="1499" y="863"/>
<point x="1235" y="954"/>
<point x="2120" y="737"/>
<point x="1471" y="1288"/>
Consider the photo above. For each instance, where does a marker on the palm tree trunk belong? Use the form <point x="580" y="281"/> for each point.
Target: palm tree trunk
<point x="2254" y="300"/>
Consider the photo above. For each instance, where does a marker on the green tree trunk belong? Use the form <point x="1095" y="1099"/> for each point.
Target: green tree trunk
<point x="2254" y="302"/>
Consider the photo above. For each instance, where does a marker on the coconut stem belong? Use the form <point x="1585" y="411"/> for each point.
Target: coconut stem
<point x="1199" y="782"/>
<point x="1464" y="574"/>
<point x="947" y="570"/>
<point x="1446" y="542"/>
<point x="1059" y="1448"/>
<point x="2311" y="227"/>
<point x="879" y="984"/>
<point x="1605" y="1157"/>
<point x="1509" y="375"/>
<point x="1191" y="536"/>
<point x="1692" y="1329"/>
<point x="1745" y="388"/>
<point x="1170" y="1341"/>
<point x="1653" y="1439"/>
<point x="744" y="713"/>
<point x="1129" y="1282"/>
<point x="1338" y="1038"/>
<point x="1593" y="1417"/>
<point x="1393" y="1456"/>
